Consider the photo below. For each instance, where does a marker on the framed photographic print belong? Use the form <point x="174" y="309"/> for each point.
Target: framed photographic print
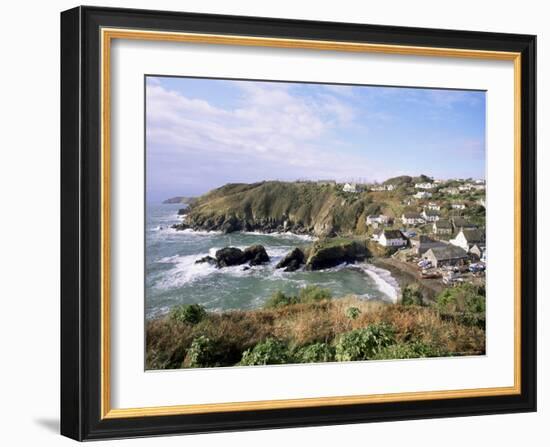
<point x="276" y="223"/>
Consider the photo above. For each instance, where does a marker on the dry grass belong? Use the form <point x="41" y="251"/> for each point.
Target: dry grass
<point x="298" y="325"/>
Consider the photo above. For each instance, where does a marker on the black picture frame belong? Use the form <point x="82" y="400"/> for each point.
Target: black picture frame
<point x="81" y="223"/>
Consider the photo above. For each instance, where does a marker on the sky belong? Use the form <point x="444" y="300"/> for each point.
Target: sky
<point x="204" y="133"/>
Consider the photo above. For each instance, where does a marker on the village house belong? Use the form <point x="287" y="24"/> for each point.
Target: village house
<point x="478" y="251"/>
<point x="376" y="188"/>
<point x="466" y="187"/>
<point x="392" y="238"/>
<point x="467" y="238"/>
<point x="423" y="195"/>
<point x="425" y="185"/>
<point x="412" y="218"/>
<point x="447" y="255"/>
<point x="430" y="215"/>
<point x="451" y="191"/>
<point x="442" y="227"/>
<point x="422" y="243"/>
<point x="376" y="220"/>
<point x="480" y="187"/>
<point x="376" y="234"/>
<point x="481" y="202"/>
<point x="351" y="187"/>
<point x="458" y="206"/>
<point x="460" y="223"/>
<point x="434" y="206"/>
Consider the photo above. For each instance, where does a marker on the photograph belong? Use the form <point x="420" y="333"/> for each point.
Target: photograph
<point x="292" y="222"/>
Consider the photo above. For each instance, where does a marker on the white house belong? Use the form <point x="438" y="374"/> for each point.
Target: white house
<point x="430" y="215"/>
<point x="458" y="206"/>
<point x="467" y="238"/>
<point x="451" y="190"/>
<point x="425" y="185"/>
<point x="350" y="187"/>
<point x="466" y="187"/>
<point x="482" y="202"/>
<point x="390" y="187"/>
<point x="411" y="218"/>
<point x="423" y="195"/>
<point x="377" y="188"/>
<point x="376" y="220"/>
<point x="434" y="206"/>
<point x="392" y="238"/>
<point x="442" y="227"/>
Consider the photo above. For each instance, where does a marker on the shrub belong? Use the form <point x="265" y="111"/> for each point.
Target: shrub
<point x="411" y="296"/>
<point x="279" y="299"/>
<point x="313" y="293"/>
<point x="317" y="352"/>
<point x="411" y="350"/>
<point x="363" y="344"/>
<point x="352" y="313"/>
<point x="201" y="353"/>
<point x="267" y="352"/>
<point x="465" y="303"/>
<point x="188" y="313"/>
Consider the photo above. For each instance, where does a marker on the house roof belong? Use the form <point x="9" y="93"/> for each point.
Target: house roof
<point x="447" y="252"/>
<point x="473" y="235"/>
<point x="443" y="223"/>
<point x="412" y="215"/>
<point x="393" y="234"/>
<point x="429" y="212"/>
<point x="461" y="222"/>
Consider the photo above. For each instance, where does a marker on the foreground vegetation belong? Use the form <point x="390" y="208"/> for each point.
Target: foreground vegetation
<point x="312" y="327"/>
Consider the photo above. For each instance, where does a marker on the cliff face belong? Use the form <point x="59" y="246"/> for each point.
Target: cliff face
<point x="303" y="208"/>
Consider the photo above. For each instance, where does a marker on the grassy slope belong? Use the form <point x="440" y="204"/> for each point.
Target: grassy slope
<point x="302" y="324"/>
<point x="313" y="206"/>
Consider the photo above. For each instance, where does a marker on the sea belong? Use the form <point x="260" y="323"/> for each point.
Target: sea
<point x="172" y="277"/>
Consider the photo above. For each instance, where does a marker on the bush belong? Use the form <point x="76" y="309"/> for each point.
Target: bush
<point x="352" y="313"/>
<point x="188" y="313"/>
<point x="313" y="293"/>
<point x="201" y="353"/>
<point x="465" y="303"/>
<point x="411" y="350"/>
<point x="411" y="296"/>
<point x="279" y="299"/>
<point x="317" y="352"/>
<point x="363" y="344"/>
<point x="267" y="352"/>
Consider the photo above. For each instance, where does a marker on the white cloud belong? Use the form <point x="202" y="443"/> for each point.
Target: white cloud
<point x="272" y="126"/>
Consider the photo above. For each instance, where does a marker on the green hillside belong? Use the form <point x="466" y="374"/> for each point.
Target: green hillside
<point x="301" y="207"/>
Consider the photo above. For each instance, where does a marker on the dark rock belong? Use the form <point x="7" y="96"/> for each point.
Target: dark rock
<point x="256" y="255"/>
<point x="180" y="226"/>
<point x="231" y="225"/>
<point x="183" y="211"/>
<point x="245" y="268"/>
<point x="229" y="256"/>
<point x="292" y="261"/>
<point x="208" y="259"/>
<point x="330" y="253"/>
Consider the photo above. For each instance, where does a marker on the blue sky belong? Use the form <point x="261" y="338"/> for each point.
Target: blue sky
<point x="203" y="133"/>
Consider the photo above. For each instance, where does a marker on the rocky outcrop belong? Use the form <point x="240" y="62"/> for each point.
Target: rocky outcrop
<point x="292" y="261"/>
<point x="256" y="255"/>
<point x="332" y="252"/>
<point x="207" y="259"/>
<point x="230" y="256"/>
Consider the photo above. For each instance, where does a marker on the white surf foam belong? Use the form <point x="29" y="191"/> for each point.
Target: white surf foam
<point x="384" y="281"/>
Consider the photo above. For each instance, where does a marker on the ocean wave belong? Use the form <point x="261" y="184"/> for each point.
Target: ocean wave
<point x="384" y="280"/>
